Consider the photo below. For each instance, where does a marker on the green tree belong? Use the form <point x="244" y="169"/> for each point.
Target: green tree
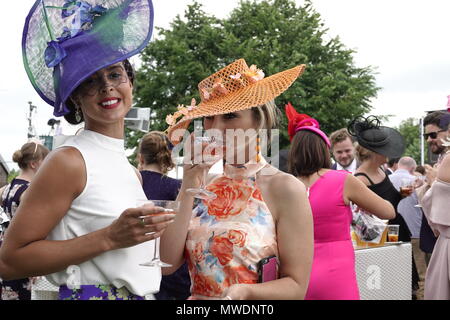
<point x="410" y="130"/>
<point x="273" y="34"/>
<point x="12" y="174"/>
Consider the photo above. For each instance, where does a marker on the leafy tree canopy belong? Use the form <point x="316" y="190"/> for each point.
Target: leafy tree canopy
<point x="410" y="130"/>
<point x="274" y="35"/>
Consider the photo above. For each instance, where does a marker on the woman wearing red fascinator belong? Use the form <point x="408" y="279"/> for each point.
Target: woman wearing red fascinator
<point x="333" y="275"/>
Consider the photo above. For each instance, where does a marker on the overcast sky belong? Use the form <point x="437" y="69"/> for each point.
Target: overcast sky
<point x="406" y="40"/>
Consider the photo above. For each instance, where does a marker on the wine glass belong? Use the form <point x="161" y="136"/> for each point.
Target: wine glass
<point x="170" y="206"/>
<point x="201" y="192"/>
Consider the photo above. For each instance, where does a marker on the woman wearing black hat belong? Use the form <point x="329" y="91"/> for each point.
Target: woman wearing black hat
<point x="376" y="144"/>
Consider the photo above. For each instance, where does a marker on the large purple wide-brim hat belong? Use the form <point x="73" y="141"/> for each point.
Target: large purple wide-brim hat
<point x="64" y="42"/>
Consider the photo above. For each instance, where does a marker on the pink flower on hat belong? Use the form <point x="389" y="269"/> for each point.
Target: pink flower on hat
<point x="254" y="74"/>
<point x="218" y="88"/>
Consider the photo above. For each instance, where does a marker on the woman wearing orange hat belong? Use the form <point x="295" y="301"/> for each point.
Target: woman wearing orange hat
<point x="258" y="211"/>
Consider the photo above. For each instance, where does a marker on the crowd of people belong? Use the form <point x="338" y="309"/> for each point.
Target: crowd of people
<point x="263" y="234"/>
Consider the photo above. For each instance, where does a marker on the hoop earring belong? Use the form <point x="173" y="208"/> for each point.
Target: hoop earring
<point x="78" y="117"/>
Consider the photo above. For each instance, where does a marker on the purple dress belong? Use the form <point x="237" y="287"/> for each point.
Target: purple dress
<point x="161" y="187"/>
<point x="19" y="289"/>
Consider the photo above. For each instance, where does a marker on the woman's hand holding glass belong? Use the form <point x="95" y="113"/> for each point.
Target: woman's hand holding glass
<point x="205" y="152"/>
<point x="137" y="225"/>
<point x="166" y="207"/>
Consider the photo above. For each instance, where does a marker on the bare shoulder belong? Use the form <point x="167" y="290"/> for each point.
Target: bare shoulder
<point x="65" y="158"/>
<point x="362" y="177"/>
<point x="353" y="182"/>
<point x="60" y="166"/>
<point x="282" y="184"/>
<point x="284" y="193"/>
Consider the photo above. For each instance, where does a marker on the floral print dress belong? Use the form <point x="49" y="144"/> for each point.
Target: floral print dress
<point x="229" y="235"/>
<point x="19" y="289"/>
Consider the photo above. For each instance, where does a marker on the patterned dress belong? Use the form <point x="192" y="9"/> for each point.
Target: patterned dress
<point x="19" y="289"/>
<point x="229" y="235"/>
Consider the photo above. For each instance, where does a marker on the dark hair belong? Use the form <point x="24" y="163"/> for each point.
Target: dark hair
<point x="440" y="119"/>
<point x="155" y="147"/>
<point x="421" y="169"/>
<point x="70" y="117"/>
<point x="308" y="154"/>
<point x="393" y="161"/>
<point x="29" y="152"/>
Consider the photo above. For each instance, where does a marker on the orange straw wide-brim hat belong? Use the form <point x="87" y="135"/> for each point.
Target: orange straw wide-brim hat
<point x="234" y="88"/>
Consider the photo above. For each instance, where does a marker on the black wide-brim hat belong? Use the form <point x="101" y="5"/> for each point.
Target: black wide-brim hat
<point x="379" y="139"/>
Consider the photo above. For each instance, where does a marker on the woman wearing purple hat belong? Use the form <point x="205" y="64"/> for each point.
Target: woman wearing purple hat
<point x="78" y="223"/>
<point x="333" y="275"/>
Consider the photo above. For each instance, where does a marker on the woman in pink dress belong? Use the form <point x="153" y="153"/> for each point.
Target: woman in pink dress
<point x="333" y="274"/>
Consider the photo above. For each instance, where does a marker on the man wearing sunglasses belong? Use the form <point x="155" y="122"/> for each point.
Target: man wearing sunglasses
<point x="436" y="127"/>
<point x="436" y="130"/>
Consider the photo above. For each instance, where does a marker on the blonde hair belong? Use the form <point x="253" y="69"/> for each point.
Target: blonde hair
<point x="362" y="153"/>
<point x="267" y="116"/>
<point x="29" y="152"/>
<point x="154" y="147"/>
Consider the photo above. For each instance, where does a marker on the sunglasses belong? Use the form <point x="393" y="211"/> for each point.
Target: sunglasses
<point x="114" y="78"/>
<point x="432" y="135"/>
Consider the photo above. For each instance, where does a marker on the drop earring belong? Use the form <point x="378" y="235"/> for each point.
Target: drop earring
<point x="258" y="149"/>
<point x="78" y="114"/>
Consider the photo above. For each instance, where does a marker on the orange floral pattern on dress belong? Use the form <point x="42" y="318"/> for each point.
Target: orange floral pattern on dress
<point x="228" y="236"/>
<point x="237" y="237"/>
<point x="222" y="249"/>
<point x="206" y="286"/>
<point x="198" y="252"/>
<point x="239" y="274"/>
<point x="232" y="198"/>
<point x="257" y="195"/>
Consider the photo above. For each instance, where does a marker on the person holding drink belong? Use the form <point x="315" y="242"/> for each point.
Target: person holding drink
<point x="79" y="223"/>
<point x="258" y="214"/>
<point x="377" y="144"/>
<point x="406" y="188"/>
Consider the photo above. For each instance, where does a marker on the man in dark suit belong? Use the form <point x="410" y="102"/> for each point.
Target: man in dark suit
<point x="392" y="165"/>
<point x="343" y="150"/>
